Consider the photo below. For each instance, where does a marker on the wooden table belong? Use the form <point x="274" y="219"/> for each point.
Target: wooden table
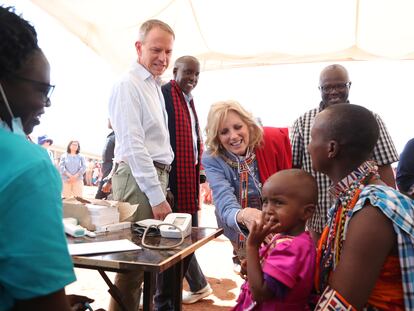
<point x="148" y="260"/>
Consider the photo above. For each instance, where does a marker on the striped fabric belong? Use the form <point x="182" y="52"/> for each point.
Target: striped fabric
<point x="384" y="154"/>
<point x="400" y="210"/>
<point x="185" y="174"/>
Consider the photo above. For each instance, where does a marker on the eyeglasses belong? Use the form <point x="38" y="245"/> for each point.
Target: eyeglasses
<point x="338" y="87"/>
<point x="47" y="89"/>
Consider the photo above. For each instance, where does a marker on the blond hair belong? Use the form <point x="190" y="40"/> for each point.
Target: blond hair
<point x="147" y="26"/>
<point x="218" y="112"/>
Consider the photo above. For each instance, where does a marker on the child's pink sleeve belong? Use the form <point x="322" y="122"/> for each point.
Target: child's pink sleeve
<point x="287" y="260"/>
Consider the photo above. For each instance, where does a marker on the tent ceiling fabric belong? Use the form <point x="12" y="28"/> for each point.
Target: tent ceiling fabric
<point x="237" y="33"/>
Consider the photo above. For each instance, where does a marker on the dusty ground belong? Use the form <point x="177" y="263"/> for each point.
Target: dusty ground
<point x="214" y="258"/>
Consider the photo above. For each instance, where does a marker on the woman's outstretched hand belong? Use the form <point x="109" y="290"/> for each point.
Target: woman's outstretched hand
<point x="248" y="216"/>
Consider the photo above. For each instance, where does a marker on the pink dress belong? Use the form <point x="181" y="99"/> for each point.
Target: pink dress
<point x="291" y="261"/>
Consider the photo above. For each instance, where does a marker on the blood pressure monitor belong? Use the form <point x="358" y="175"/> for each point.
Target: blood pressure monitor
<point x="181" y="220"/>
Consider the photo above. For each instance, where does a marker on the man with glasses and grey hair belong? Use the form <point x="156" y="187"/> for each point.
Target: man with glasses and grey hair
<point x="334" y="85"/>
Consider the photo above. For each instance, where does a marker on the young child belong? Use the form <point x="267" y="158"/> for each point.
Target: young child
<point x="280" y="274"/>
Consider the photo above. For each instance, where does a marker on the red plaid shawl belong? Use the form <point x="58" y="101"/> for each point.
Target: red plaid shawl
<point x="184" y="177"/>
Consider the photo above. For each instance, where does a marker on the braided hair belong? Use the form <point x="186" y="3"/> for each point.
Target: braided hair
<point x="18" y="40"/>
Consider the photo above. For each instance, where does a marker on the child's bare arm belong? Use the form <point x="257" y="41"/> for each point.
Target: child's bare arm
<point x="258" y="286"/>
<point x="243" y="268"/>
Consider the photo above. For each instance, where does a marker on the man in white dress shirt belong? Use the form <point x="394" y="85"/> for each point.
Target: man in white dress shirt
<point x="139" y="120"/>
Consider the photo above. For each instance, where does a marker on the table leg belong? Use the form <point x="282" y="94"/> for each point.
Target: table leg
<point x="178" y="285"/>
<point x="149" y="290"/>
<point x="113" y="290"/>
<point x="179" y="269"/>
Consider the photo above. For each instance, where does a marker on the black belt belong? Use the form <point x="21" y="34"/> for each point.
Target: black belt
<point x="161" y="166"/>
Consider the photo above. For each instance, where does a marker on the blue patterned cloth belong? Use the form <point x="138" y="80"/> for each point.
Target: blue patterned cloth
<point x="400" y="210"/>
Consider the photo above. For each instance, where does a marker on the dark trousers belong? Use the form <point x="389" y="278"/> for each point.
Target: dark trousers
<point x="193" y="274"/>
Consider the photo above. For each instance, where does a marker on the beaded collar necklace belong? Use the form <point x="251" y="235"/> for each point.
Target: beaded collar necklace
<point x="347" y="193"/>
<point x="243" y="169"/>
<point x="342" y="189"/>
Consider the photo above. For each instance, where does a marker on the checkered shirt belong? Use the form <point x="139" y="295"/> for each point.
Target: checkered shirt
<point x="400" y="210"/>
<point x="384" y="154"/>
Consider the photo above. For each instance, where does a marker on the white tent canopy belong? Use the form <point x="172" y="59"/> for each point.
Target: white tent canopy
<point x="244" y="40"/>
<point x="238" y="33"/>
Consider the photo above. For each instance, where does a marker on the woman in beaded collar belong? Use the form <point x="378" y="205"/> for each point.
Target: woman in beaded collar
<point x="240" y="156"/>
<point x="358" y="253"/>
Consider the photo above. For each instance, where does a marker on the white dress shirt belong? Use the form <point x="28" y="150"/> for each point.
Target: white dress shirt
<point x="188" y="99"/>
<point x="139" y="119"/>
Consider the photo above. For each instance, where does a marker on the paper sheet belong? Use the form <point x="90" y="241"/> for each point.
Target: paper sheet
<point x="102" y="247"/>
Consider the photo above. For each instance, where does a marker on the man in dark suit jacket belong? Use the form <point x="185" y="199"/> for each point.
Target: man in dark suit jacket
<point x="107" y="162"/>
<point x="185" y="177"/>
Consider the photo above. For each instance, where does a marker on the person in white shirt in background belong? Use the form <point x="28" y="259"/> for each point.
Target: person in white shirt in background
<point x="139" y="119"/>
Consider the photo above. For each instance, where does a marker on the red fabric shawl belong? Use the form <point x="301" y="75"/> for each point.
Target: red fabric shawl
<point x="187" y="174"/>
<point x="275" y="153"/>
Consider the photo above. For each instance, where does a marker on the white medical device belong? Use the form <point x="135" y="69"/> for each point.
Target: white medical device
<point x="113" y="227"/>
<point x="180" y="220"/>
<point x="72" y="228"/>
<point x="174" y="226"/>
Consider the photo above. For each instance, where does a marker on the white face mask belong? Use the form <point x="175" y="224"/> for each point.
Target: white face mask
<point x="16" y="122"/>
